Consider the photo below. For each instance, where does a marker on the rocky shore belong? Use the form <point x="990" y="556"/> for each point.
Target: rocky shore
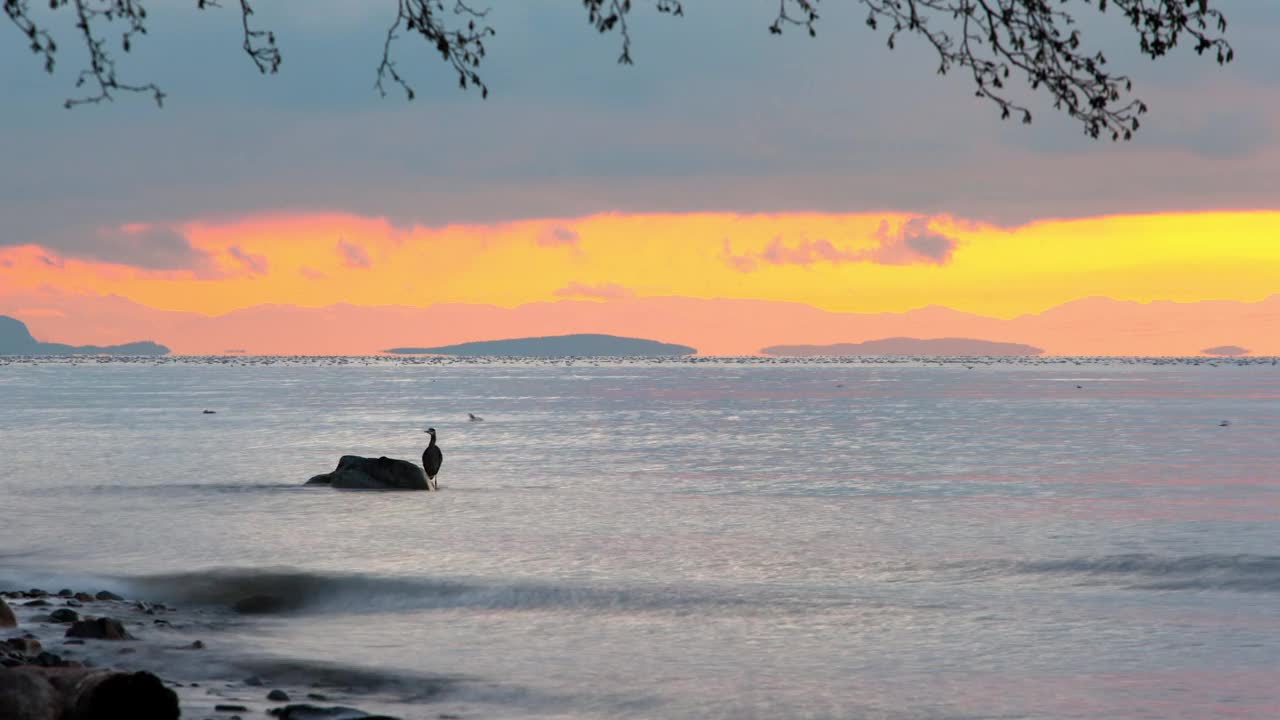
<point x="70" y="655"/>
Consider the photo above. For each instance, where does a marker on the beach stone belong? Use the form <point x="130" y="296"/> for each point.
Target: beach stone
<point x="64" y="615"/>
<point x="101" y="694"/>
<point x="73" y="603"/>
<point x="278" y="695"/>
<point x="83" y="597"/>
<point x="7" y="619"/>
<point x="107" y="595"/>
<point x="48" y="659"/>
<point x="66" y="592"/>
<point x="382" y="473"/>
<point x="253" y="681"/>
<point x="39" y="602"/>
<point x="230" y="708"/>
<point x="25" y="694"/>
<point x="36" y="592"/>
<point x="24" y="645"/>
<point x="99" y="629"/>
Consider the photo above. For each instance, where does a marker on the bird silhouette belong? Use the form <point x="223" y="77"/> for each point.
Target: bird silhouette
<point x="432" y="459"/>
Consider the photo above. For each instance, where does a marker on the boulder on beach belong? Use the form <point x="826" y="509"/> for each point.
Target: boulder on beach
<point x="7" y="619"/>
<point x="98" y="629"/>
<point x="34" y="693"/>
<point x="383" y="473"/>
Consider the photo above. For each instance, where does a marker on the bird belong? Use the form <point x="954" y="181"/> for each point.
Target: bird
<point x="431" y="460"/>
<point x="1225" y="423"/>
<point x="210" y="412"/>
<point x="474" y="417"/>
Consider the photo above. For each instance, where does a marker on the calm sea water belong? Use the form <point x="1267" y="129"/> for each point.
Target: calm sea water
<point x="721" y="539"/>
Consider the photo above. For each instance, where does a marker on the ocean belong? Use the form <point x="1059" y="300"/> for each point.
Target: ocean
<point x="701" y="538"/>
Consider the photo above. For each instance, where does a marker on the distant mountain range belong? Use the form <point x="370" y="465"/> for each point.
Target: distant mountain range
<point x="715" y="326"/>
<point x="950" y="347"/>
<point x="15" y="339"/>
<point x="580" y="345"/>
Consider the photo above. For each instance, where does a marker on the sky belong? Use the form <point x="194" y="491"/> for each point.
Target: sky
<point x="728" y="175"/>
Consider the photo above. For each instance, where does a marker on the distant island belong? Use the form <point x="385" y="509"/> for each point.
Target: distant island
<point x="1226" y="350"/>
<point x="951" y="347"/>
<point x="15" y="339"/>
<point x="582" y="345"/>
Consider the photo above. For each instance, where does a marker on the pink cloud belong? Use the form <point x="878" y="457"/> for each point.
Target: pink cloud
<point x="253" y="263"/>
<point x="741" y="263"/>
<point x="603" y="291"/>
<point x="914" y="242"/>
<point x="806" y="252"/>
<point x="353" y="256"/>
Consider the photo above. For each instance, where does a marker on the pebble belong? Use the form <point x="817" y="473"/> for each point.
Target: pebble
<point x="107" y="595"/>
<point x="278" y="696"/>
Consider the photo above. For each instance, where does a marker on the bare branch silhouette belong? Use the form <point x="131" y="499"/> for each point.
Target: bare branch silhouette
<point x="994" y="40"/>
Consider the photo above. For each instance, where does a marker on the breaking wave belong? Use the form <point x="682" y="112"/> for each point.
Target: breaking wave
<point x="1242" y="573"/>
<point x="252" y="591"/>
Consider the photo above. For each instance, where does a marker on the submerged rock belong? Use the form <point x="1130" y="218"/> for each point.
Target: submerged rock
<point x="313" y="712"/>
<point x="7" y="619"/>
<point x="98" y="629"/>
<point x="383" y="473"/>
<point x="64" y="615"/>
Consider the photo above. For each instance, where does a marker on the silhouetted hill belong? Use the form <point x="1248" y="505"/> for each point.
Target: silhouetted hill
<point x="15" y="339"/>
<point x="1226" y="350"/>
<point x="951" y="347"/>
<point x="556" y="346"/>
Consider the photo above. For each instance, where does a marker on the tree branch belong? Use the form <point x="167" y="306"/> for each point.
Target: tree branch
<point x="992" y="39"/>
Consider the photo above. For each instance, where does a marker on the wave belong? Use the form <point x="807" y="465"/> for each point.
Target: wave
<point x="1142" y="571"/>
<point x="254" y="591"/>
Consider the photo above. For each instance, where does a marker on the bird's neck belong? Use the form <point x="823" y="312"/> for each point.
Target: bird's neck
<point x="433" y="442"/>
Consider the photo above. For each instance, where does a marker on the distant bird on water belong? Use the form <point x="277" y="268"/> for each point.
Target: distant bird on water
<point x="431" y="460"/>
<point x="210" y="412"/>
<point x="1224" y="423"/>
<point x="474" y="417"/>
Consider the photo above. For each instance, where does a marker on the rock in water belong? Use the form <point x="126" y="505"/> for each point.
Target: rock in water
<point x="7" y="619"/>
<point x="384" y="473"/>
<point x="99" y="629"/>
<point x="64" y="615"/>
<point x="313" y="712"/>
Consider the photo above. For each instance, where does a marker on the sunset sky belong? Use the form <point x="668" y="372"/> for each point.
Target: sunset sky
<point x="726" y="165"/>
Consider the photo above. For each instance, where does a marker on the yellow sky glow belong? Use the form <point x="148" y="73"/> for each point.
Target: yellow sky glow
<point x="1001" y="272"/>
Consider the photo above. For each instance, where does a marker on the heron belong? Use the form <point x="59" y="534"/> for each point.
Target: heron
<point x="431" y="459"/>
